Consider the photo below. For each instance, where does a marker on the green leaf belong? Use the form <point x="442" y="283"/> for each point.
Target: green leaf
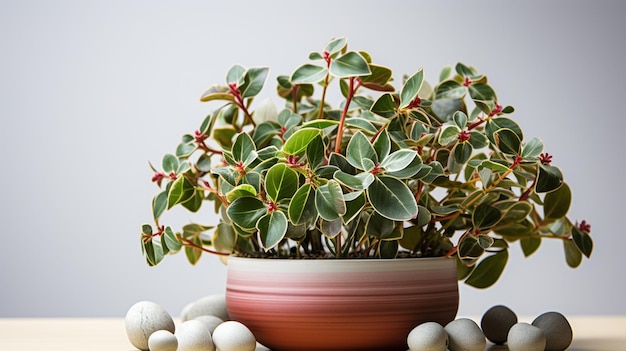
<point x="460" y="119"/>
<point x="216" y="92"/>
<point x="479" y="91"/>
<point x="398" y="160"/>
<point x="265" y="131"/>
<point x="380" y="227"/>
<point x="169" y="163"/>
<point x="382" y="144"/>
<point x="449" y="135"/>
<point x="359" y="150"/>
<point x="508" y="141"/>
<point x="182" y="190"/>
<point x="384" y="106"/>
<point x="235" y="74"/>
<point x="411" y="88"/>
<point x="459" y="156"/>
<point x="556" y="204"/>
<point x="353" y="206"/>
<point x="298" y="141"/>
<point x="331" y="229"/>
<point x="495" y="166"/>
<point x="193" y="253"/>
<point x="335" y="45"/>
<point x="530" y="245"/>
<point x="495" y="124"/>
<point x="379" y="79"/>
<point x="242" y="190"/>
<point x="583" y="241"/>
<point x="392" y="199"/>
<point x="253" y="81"/>
<point x="465" y="71"/>
<point x="243" y="148"/>
<point x="488" y="270"/>
<point x="329" y="201"/>
<point x="445" y="73"/>
<point x="159" y="204"/>
<point x="246" y="211"/>
<point x="350" y="64"/>
<point x="358" y="182"/>
<point x="170" y="240"/>
<point x="469" y="247"/>
<point x="573" y="256"/>
<point x="281" y="182"/>
<point x="548" y="179"/>
<point x="308" y="73"/>
<point x="485" y="216"/>
<point x="532" y="149"/>
<point x="450" y="89"/>
<point x="224" y="238"/>
<point x="272" y="229"/>
<point x="302" y="206"/>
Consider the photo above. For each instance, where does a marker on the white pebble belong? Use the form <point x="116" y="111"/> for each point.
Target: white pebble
<point x="162" y="340"/>
<point x="525" y="337"/>
<point x="429" y="336"/>
<point x="233" y="336"/>
<point x="211" y="322"/>
<point x="143" y="319"/>
<point x="193" y="335"/>
<point x="465" y="335"/>
<point x="211" y="305"/>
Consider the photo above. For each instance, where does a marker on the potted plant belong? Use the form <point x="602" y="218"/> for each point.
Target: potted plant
<point x="438" y="176"/>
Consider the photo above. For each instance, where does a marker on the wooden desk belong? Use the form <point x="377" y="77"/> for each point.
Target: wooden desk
<point x="69" y="334"/>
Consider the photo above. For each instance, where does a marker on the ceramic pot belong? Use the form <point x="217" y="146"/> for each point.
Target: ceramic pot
<point x="340" y="305"/>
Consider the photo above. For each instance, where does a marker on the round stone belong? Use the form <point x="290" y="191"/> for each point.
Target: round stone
<point x="162" y="340"/>
<point x="557" y="330"/>
<point x="211" y="322"/>
<point x="211" y="305"/>
<point x="429" y="336"/>
<point x="143" y="319"/>
<point x="233" y="336"/>
<point x="526" y="337"/>
<point x="496" y="323"/>
<point x="465" y="335"/>
<point x="193" y="335"/>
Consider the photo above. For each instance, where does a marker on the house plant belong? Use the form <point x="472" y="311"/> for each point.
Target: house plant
<point x="419" y="172"/>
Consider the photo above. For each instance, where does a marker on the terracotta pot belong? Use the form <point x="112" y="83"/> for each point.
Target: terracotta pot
<point x="340" y="305"/>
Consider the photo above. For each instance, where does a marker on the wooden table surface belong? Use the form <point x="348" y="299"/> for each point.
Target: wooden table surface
<point x="70" y="334"/>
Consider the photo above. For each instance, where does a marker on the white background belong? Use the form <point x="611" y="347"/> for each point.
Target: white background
<point x="91" y="91"/>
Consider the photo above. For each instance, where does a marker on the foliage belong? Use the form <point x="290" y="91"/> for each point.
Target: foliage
<point x="437" y="170"/>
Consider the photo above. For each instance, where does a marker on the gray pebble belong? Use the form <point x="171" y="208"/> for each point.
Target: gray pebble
<point x="465" y="335"/>
<point x="429" y="336"/>
<point x="212" y="305"/>
<point x="557" y="330"/>
<point x="496" y="323"/>
<point x="526" y="337"/>
<point x="211" y="322"/>
<point x="162" y="340"/>
<point x="193" y="335"/>
<point x="143" y="319"/>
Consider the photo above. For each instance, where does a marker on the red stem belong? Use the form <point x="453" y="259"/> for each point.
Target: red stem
<point x="344" y="114"/>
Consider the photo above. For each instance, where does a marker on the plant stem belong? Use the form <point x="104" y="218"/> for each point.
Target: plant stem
<point x="343" y="116"/>
<point x="187" y="242"/>
<point x="326" y="80"/>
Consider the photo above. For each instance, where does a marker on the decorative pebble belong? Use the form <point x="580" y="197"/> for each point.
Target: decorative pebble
<point x="143" y="319"/>
<point x="212" y="305"/>
<point x="557" y="330"/>
<point x="233" y="336"/>
<point x="162" y="340"/>
<point x="465" y="335"/>
<point x="429" y="336"/>
<point x="496" y="323"/>
<point x="193" y="335"/>
<point x="211" y="322"/>
<point x="526" y="337"/>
